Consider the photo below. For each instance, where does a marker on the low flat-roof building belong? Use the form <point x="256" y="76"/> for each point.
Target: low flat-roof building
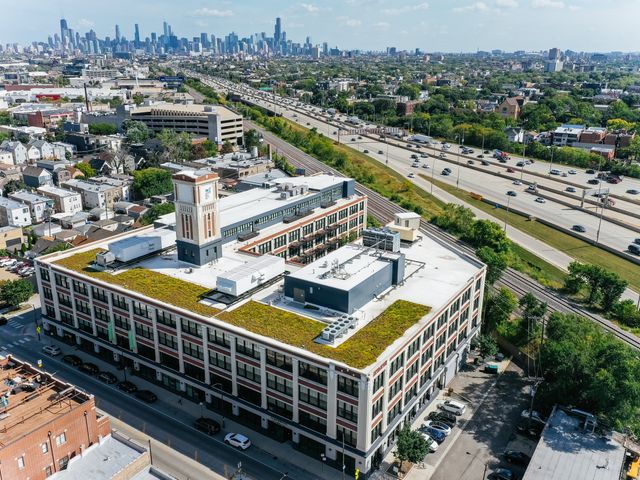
<point x="39" y="205"/>
<point x="65" y="201"/>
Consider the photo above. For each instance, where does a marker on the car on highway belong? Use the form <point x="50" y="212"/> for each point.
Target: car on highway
<point x="207" y="425"/>
<point x="431" y="443"/>
<point x="554" y="171"/>
<point x="359" y="138"/>
<point x="108" y="378"/>
<point x="636" y="241"/>
<point x="415" y="164"/>
<point x="444" y="428"/>
<point x="517" y="457"/>
<point x="335" y="133"/>
<point x="424" y="155"/>
<point x="502" y="160"/>
<point x="633" y="191"/>
<point x="146" y="396"/>
<point x="127" y="386"/>
<point x="540" y="200"/>
<point x="590" y="171"/>
<point x="570" y="189"/>
<point x="89" y="368"/>
<point x="445" y="173"/>
<point x="634" y="248"/>
<point x="470" y="162"/>
<point x="484" y="162"/>
<point x="520" y="164"/>
<point x="51" y="350"/>
<point x="572" y="172"/>
<point x="72" y="360"/>
<point x="511" y="193"/>
<point x="578" y="228"/>
<point x="446" y="169"/>
<point x="411" y="175"/>
<point x="501" y="474"/>
<point x="517" y="182"/>
<point x="380" y="152"/>
<point x="353" y="139"/>
<point x="486" y="152"/>
<point x="415" y="156"/>
<point x="510" y="170"/>
<point x="480" y="156"/>
<point x="237" y="440"/>
<point x="442" y="155"/>
<point x="424" y="165"/>
<point x="593" y="181"/>
<point x="365" y="151"/>
<point x="308" y="123"/>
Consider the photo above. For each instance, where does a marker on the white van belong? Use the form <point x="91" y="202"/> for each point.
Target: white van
<point x="452" y="406"/>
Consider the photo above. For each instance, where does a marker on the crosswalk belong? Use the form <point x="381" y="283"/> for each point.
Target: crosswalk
<point x="15" y="343"/>
<point x="13" y="323"/>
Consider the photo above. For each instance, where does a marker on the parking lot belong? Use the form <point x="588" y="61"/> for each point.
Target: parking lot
<point x="477" y="445"/>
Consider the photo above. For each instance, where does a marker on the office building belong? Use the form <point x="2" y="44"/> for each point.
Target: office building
<point x="219" y="124"/>
<point x="44" y="422"/>
<point x="280" y="330"/>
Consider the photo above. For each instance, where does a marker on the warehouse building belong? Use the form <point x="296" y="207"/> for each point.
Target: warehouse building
<point x="281" y="330"/>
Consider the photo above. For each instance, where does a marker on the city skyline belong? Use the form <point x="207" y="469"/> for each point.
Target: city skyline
<point x="354" y="24"/>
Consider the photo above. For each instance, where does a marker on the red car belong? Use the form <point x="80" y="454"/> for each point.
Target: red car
<point x="510" y="170"/>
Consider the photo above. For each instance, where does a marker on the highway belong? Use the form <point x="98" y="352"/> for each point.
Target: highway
<point x="559" y="208"/>
<point x="165" y="421"/>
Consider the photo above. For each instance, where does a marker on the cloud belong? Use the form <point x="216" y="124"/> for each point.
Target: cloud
<point x="474" y="7"/>
<point x="406" y="9"/>
<point x="85" y="23"/>
<point x="309" y="7"/>
<point x="352" y="22"/>
<point x="507" y="3"/>
<point x="381" y="25"/>
<point x="547" y="4"/>
<point x="211" y="12"/>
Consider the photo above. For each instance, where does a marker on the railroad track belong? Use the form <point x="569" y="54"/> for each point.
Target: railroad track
<point x="384" y="210"/>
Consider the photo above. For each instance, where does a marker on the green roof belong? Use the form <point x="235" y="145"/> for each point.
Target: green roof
<point x="152" y="284"/>
<point x="359" y="351"/>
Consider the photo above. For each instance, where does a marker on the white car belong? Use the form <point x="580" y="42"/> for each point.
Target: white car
<point x="540" y="200"/>
<point x="517" y="182"/>
<point x="51" y="350"/>
<point x="237" y="440"/>
<point x="424" y="165"/>
<point x="446" y="429"/>
<point x="433" y="445"/>
<point x="411" y="175"/>
<point x="453" y="406"/>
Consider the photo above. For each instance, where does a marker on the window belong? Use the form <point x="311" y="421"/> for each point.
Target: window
<point x="279" y="360"/>
<point x="376" y="432"/>
<point x="247" y="348"/>
<point x="279" y="384"/>
<point x="248" y="371"/>
<point x="424" y="378"/>
<point x="428" y="333"/>
<point x="412" y="392"/>
<point x="63" y="462"/>
<point x="377" y="407"/>
<point x="348" y="386"/>
<point x="279" y="241"/>
<point x="21" y="463"/>
<point x="395" y="388"/>
<point x="83" y="307"/>
<point x="64" y="299"/>
<point x="99" y="294"/>
<point x="121" y="322"/>
<point x="312" y="421"/>
<point x="44" y="447"/>
<point x="119" y="302"/>
<point x="312" y="397"/>
<point x="143" y="330"/>
<point x="44" y="274"/>
<point x="61" y="439"/>
<point x="280" y="408"/>
<point x="168" y="340"/>
<point x="264" y="247"/>
<point x="192" y="349"/>
<point x="413" y="348"/>
<point x="219" y="338"/>
<point x="80" y="287"/>
<point x="349" y="436"/>
<point x="313" y="373"/>
<point x="378" y="382"/>
<point x="412" y="370"/>
<point x="141" y="310"/>
<point x="396" y="364"/>
<point x="61" y="280"/>
<point x="85" y="326"/>
<point x="191" y="327"/>
<point x="165" y="318"/>
<point x="347" y="411"/>
<point x="426" y="355"/>
<point x="393" y="413"/>
<point x="219" y="360"/>
<point x="294" y="235"/>
<point x="101" y="314"/>
<point x="47" y="293"/>
<point x="66" y="318"/>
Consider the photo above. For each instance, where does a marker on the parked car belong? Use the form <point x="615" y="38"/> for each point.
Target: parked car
<point x="501" y="474"/>
<point x="530" y="429"/>
<point x="146" y="396"/>
<point x="443" y="417"/>
<point x="453" y="406"/>
<point x="516" y="457"/>
<point x="72" y="360"/>
<point x="434" y="433"/>
<point x="3" y="320"/>
<point x="570" y="189"/>
<point x="237" y="440"/>
<point x="89" y="368"/>
<point x="51" y="350"/>
<point x="532" y="414"/>
<point x="444" y="428"/>
<point x="442" y="155"/>
<point x="107" y="377"/>
<point x="127" y="386"/>
<point x="207" y="425"/>
<point x="579" y="228"/>
<point x="432" y="444"/>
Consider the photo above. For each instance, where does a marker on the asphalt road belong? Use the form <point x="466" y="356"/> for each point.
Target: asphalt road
<point x="484" y="183"/>
<point x="167" y="424"/>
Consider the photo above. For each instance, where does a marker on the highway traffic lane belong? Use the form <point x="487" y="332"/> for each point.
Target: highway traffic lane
<point x="181" y="436"/>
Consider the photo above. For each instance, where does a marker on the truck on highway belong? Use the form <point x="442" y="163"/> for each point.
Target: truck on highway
<point x="500" y="154"/>
<point x="420" y="138"/>
<point x="331" y="111"/>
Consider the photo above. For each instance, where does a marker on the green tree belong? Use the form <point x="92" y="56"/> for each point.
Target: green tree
<point x="486" y="345"/>
<point x="533" y="310"/>
<point x="411" y="446"/>
<point x="251" y="139"/>
<point x="157" y="211"/>
<point x="138" y="98"/>
<point x="102" y="129"/>
<point x="611" y="289"/>
<point x="626" y="313"/>
<point x="13" y="186"/>
<point x="497" y="263"/>
<point x="498" y="308"/>
<point x="115" y="101"/>
<point x="152" y="181"/>
<point x="455" y="219"/>
<point x="14" y="292"/>
<point x="175" y="147"/>
<point x="87" y="170"/>
<point x="135" y="132"/>
<point x="226" y="148"/>
<point x="620" y="124"/>
<point x="487" y="233"/>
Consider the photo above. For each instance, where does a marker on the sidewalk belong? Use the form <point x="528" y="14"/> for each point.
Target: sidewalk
<point x="271" y="453"/>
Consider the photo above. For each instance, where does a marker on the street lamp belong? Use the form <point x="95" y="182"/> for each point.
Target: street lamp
<point x="460" y="143"/>
<point x="507" y="215"/>
<point x="551" y="164"/>
<point x="201" y="408"/>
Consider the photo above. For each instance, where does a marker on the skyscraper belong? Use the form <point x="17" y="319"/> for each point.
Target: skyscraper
<point x="277" y="34"/>
<point x="165" y="29"/>
<point x="136" y="36"/>
<point x="117" y="33"/>
<point x="64" y="30"/>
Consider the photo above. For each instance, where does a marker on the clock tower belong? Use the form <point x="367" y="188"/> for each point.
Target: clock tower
<point x="197" y="216"/>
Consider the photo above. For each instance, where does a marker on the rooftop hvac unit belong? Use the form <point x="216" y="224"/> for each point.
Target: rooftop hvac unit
<point x="105" y="258"/>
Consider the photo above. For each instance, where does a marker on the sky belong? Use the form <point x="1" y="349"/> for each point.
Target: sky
<point x="432" y="25"/>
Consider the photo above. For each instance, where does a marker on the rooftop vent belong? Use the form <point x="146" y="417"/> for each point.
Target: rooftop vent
<point x="339" y="328"/>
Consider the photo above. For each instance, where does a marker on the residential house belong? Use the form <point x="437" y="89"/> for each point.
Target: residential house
<point x="44" y="148"/>
<point x="33" y="154"/>
<point x="6" y="157"/>
<point x="511" y="107"/>
<point x="566" y="135"/>
<point x="14" y="213"/>
<point x="36" y="177"/>
<point x="18" y="151"/>
<point x="39" y="205"/>
<point x="606" y="151"/>
<point x="95" y="193"/>
<point x="515" y="134"/>
<point x="64" y="201"/>
<point x="10" y="237"/>
<point x="62" y="149"/>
